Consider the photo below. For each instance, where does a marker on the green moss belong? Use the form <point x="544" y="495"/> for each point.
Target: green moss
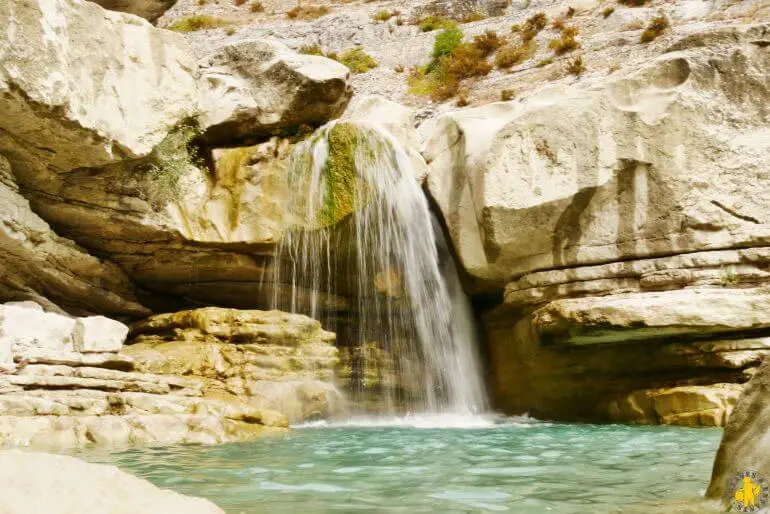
<point x="340" y="173"/>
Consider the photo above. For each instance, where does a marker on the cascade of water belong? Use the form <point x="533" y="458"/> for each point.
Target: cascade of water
<point x="362" y="229"/>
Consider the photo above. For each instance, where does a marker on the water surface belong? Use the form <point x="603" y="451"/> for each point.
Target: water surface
<point x="515" y="466"/>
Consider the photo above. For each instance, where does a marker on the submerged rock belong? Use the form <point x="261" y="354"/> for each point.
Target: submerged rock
<point x="59" y="484"/>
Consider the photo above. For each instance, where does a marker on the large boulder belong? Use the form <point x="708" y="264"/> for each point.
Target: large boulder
<point x="254" y="88"/>
<point x="150" y="10"/>
<point x="59" y="484"/>
<point x="745" y="443"/>
<point x="85" y="87"/>
<point x="657" y="160"/>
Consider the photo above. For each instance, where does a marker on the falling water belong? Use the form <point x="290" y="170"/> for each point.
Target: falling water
<point x="364" y="243"/>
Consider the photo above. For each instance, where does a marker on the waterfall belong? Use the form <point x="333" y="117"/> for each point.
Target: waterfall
<point x="362" y="255"/>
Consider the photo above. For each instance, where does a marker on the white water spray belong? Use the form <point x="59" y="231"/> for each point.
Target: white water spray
<point x="363" y="230"/>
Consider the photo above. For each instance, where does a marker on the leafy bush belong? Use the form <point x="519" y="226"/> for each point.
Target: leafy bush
<point x="308" y="13"/>
<point x="656" y="27"/>
<point x="358" y="60"/>
<point x="197" y="22"/>
<point x="446" y="42"/>
<point x="565" y="43"/>
<point x="488" y="42"/>
<point x="514" y="53"/>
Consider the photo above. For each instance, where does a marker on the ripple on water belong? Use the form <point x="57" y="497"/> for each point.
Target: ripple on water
<point x="520" y="466"/>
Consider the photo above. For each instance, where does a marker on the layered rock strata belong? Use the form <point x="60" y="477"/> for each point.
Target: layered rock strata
<point x="65" y="383"/>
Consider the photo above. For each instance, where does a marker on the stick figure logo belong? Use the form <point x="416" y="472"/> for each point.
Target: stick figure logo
<point x="749" y="492"/>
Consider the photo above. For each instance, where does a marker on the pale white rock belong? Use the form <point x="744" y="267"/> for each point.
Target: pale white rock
<point x="99" y="334"/>
<point x="652" y="160"/>
<point x="90" y="86"/>
<point x="397" y="119"/>
<point x="22" y="327"/>
<point x="59" y="484"/>
<point x="117" y="361"/>
<point x="255" y="87"/>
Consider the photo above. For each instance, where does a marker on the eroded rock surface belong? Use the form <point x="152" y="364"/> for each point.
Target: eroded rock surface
<point x="274" y="360"/>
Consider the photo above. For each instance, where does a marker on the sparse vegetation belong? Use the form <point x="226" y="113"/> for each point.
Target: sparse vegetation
<point x="566" y="42"/>
<point x="171" y="160"/>
<point x="656" y="27"/>
<point x="308" y="13"/>
<point x="514" y="53"/>
<point x="608" y="11"/>
<point x="515" y="28"/>
<point x="385" y="15"/>
<point x="545" y="62"/>
<point x="317" y="50"/>
<point x="474" y="16"/>
<point x="452" y="62"/>
<point x="239" y="2"/>
<point x="257" y="7"/>
<point x="488" y="42"/>
<point x="197" y="22"/>
<point x="507" y="95"/>
<point x="576" y="66"/>
<point x="533" y="26"/>
<point x="230" y="31"/>
<point x="557" y="25"/>
<point x="399" y="68"/>
<point x="358" y="60"/>
<point x="432" y="23"/>
<point x="570" y="12"/>
<point x="462" y="98"/>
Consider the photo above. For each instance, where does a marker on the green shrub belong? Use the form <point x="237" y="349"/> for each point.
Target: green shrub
<point x="446" y="42"/>
<point x="656" y="27"/>
<point x="358" y="60"/>
<point x="197" y="22"/>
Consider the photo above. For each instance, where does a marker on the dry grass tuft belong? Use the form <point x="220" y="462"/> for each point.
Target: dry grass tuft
<point x="632" y="3"/>
<point x="385" y="15"/>
<point x="197" y="22"/>
<point x="257" y="7"/>
<point x="566" y="42"/>
<point x="514" y="53"/>
<point x="310" y="12"/>
<point x="533" y="26"/>
<point x="657" y="26"/>
<point x="488" y="42"/>
<point x="358" y="60"/>
<point x="608" y="11"/>
<point x="506" y="95"/>
<point x="576" y="66"/>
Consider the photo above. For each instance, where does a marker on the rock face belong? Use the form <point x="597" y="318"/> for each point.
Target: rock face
<point x="92" y="86"/>
<point x="273" y="360"/>
<point x="260" y="87"/>
<point x="53" y="395"/>
<point x="150" y="10"/>
<point x="618" y="217"/>
<point x="744" y="445"/>
<point x="38" y="265"/>
<point x="654" y="169"/>
<point x="58" y="484"/>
